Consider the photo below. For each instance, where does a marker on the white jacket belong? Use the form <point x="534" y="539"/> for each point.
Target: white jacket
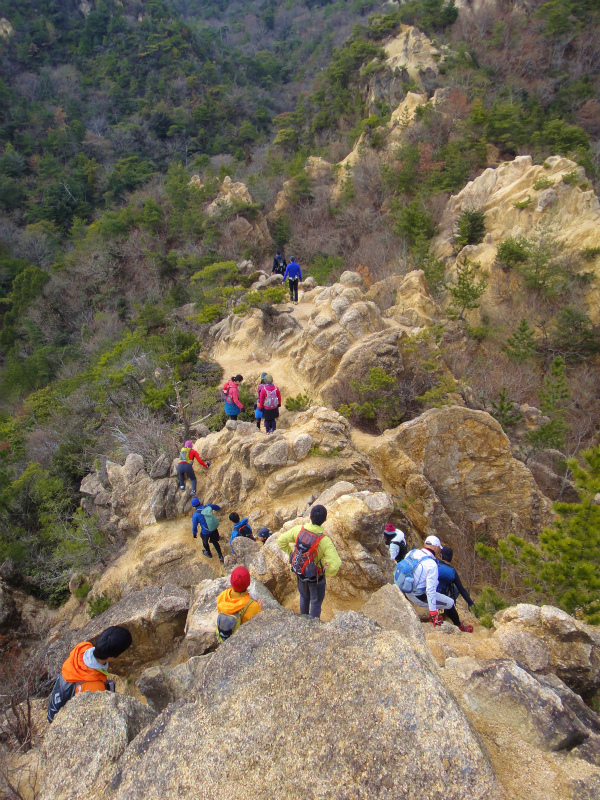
<point x="395" y="543"/>
<point x="426" y="577"/>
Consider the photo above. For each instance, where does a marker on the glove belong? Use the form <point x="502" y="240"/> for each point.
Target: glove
<point x="436" y="617"/>
<point x="207" y="464"/>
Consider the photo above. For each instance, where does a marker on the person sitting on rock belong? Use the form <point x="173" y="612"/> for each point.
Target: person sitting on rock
<point x="241" y="527"/>
<point x="207" y="534"/>
<point x="269" y="401"/>
<point x="257" y="411"/>
<point x="86" y="668"/>
<point x="235" y="605"/>
<point x="294" y="276"/>
<point x="279" y="264"/>
<point x="450" y="584"/>
<point x="262" y="535"/>
<point x="424" y="591"/>
<point x="313" y="558"/>
<point x="396" y="541"/>
<point x="185" y="468"/>
<point x="231" y="396"/>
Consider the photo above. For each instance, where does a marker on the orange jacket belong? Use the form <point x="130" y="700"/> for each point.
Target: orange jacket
<point x="75" y="671"/>
<point x="230" y="602"/>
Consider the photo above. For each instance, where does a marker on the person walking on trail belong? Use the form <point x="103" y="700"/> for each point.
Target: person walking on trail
<point x="450" y="584"/>
<point x="86" y="668"/>
<point x="231" y="396"/>
<point x="294" y="276"/>
<point x="425" y="580"/>
<point x="396" y="541"/>
<point x="269" y="401"/>
<point x="235" y="605"/>
<point x="313" y="558"/>
<point x="257" y="412"/>
<point x="204" y="517"/>
<point x="241" y="527"/>
<point x="185" y="468"/>
<point x="279" y="264"/>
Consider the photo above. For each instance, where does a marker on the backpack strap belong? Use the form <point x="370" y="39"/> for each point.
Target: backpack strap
<point x="419" y="564"/>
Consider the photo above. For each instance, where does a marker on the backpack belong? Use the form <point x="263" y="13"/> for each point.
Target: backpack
<point x="404" y="577"/>
<point x="303" y="555"/>
<point x="271" y="400"/>
<point x="280" y="266"/>
<point x="212" y="523"/>
<point x="245" y="530"/>
<point x="184" y="455"/>
<point x="225" y="396"/>
<point x="229" y="623"/>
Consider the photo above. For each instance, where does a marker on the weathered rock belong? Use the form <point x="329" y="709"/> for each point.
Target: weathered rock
<point x="550" y="472"/>
<point x="277" y="455"/>
<point x="301" y="445"/>
<point x="548" y="640"/>
<point x="161" y="467"/>
<point x="162" y="686"/>
<point x="85" y="740"/>
<point x="243" y="552"/>
<point x="370" y="749"/>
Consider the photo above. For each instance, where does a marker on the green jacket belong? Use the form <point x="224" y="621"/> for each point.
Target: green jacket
<point x="327" y="556"/>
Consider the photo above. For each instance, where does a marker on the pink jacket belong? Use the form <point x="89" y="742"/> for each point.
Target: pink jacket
<point x="262" y="394"/>
<point x="233" y="390"/>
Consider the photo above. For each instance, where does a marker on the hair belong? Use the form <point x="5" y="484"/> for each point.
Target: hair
<point x="318" y="515"/>
<point x="234" y="517"/>
<point x="447" y="554"/>
<point x="292" y="258"/>
<point x="238" y="378"/>
<point x="112" y="642"/>
<point x="278" y="252"/>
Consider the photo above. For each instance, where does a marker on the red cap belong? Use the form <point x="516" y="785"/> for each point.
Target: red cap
<point x="240" y="579"/>
<point x="389" y="528"/>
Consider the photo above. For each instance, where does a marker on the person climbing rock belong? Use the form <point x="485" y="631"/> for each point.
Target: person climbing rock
<point x="424" y="593"/>
<point x="185" y="468"/>
<point x="269" y="401"/>
<point x="257" y="411"/>
<point x="262" y="535"/>
<point x="86" y="667"/>
<point x="231" y="397"/>
<point x="450" y="584"/>
<point x="235" y="605"/>
<point x="294" y="276"/>
<point x="209" y="526"/>
<point x="241" y="527"/>
<point x="313" y="559"/>
<point x="279" y="264"/>
<point x="396" y="541"/>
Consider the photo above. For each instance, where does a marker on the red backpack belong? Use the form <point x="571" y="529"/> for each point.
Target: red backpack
<point x="304" y="554"/>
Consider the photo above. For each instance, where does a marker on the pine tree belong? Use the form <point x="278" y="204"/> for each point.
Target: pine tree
<point x="468" y="288"/>
<point x="521" y="345"/>
<point x="504" y="410"/>
<point x="552" y="403"/>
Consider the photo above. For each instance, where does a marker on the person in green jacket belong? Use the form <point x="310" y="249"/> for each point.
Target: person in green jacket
<point x="325" y="564"/>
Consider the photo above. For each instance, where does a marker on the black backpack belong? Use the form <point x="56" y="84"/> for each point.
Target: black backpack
<point x="246" y="531"/>
<point x="280" y="265"/>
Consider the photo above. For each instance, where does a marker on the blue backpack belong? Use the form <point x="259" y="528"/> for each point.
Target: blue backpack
<point x="404" y="577"/>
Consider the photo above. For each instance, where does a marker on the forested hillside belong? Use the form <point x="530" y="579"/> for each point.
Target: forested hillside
<point x="107" y="111"/>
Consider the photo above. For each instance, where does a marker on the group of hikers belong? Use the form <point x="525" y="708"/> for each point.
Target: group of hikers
<point x="290" y="271"/>
<point x="424" y="576"/>
<point x="267" y="404"/>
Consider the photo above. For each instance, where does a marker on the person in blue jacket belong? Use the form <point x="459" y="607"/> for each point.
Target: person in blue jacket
<point x="241" y="527"/>
<point x="207" y="536"/>
<point x="451" y="585"/>
<point x="294" y="276"/>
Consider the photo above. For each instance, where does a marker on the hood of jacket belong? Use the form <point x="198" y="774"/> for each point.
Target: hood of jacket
<point x="74" y="669"/>
<point x="230" y="601"/>
<point x="240" y="524"/>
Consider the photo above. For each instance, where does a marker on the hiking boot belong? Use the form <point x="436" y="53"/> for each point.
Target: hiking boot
<point x="193" y="493"/>
<point x="207" y="554"/>
<point x="221" y="559"/>
<point x="182" y="488"/>
<point x="465" y="628"/>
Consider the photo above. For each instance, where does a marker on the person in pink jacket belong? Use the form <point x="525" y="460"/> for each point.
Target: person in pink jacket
<point x="231" y="392"/>
<point x="269" y="400"/>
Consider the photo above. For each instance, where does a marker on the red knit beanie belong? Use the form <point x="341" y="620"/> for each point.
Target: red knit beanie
<point x="389" y="528"/>
<point x="240" y="579"/>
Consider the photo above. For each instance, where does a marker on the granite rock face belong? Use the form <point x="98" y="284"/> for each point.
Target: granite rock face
<point x="162" y="686"/>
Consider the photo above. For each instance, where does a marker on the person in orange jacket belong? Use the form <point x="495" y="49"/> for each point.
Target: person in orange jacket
<point x="235" y="605"/>
<point x="86" y="668"/>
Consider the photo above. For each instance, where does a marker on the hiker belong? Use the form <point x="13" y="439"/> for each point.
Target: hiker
<point x="396" y="541"/>
<point x="185" y="468"/>
<point x="450" y="584"/>
<point x="269" y="400"/>
<point x="209" y="526"/>
<point x="421" y="569"/>
<point x="294" y="276"/>
<point x="313" y="558"/>
<point x="279" y="264"/>
<point x="241" y="527"/>
<point x="231" y="396"/>
<point x="235" y="605"/>
<point x="86" y="668"/>
<point x="257" y="412"/>
<point x="262" y="535"/>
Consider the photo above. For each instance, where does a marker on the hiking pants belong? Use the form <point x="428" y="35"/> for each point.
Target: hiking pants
<point x="312" y="594"/>
<point x="213" y="537"/>
<point x="293" y="289"/>
<point x="270" y="425"/>
<point x="186" y="470"/>
<point x="446" y="603"/>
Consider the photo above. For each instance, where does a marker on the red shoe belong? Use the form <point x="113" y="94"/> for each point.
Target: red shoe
<point x="465" y="628"/>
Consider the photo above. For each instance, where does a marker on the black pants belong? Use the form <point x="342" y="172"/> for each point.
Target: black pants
<point x="233" y="416"/>
<point x="270" y="425"/>
<point x="293" y="289"/>
<point x="451" y="612"/>
<point x="312" y="594"/>
<point x="213" y="537"/>
<point x="186" y="470"/>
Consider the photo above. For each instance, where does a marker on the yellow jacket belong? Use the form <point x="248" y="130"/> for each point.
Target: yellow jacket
<point x="327" y="556"/>
<point x="230" y="602"/>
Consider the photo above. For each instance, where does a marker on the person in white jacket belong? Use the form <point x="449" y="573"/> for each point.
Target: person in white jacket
<point x="396" y="541"/>
<point x="425" y="592"/>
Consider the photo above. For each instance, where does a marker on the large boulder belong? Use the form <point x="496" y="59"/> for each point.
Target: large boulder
<point x="290" y="699"/>
<point x="162" y="686"/>
<point x="85" y="740"/>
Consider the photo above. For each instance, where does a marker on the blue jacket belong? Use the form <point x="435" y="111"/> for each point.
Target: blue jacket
<point x="199" y="519"/>
<point x="236" y="529"/>
<point x="292" y="271"/>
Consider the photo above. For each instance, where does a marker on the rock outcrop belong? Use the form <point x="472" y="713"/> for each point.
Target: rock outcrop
<point x="234" y="195"/>
<point x="162" y="686"/>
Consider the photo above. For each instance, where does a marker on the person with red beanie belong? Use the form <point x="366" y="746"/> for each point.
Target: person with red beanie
<point x="235" y="605"/>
